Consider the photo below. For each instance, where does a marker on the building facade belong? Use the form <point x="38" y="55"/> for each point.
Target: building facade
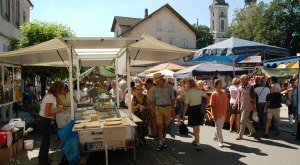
<point x="164" y="24"/>
<point x="219" y="20"/>
<point x="13" y="14"/>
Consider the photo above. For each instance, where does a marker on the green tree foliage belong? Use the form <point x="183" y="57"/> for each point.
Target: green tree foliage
<point x="34" y="33"/>
<point x="203" y="37"/>
<point x="276" y="24"/>
<point x="248" y="2"/>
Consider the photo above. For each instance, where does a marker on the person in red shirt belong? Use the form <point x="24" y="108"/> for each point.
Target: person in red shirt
<point x="219" y="105"/>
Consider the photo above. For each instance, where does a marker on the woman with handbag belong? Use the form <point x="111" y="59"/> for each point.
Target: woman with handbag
<point x="192" y="104"/>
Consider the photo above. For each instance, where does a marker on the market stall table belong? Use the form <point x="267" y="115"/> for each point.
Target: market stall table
<point x="117" y="132"/>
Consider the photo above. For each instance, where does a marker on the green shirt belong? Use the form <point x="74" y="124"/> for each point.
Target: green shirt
<point x="194" y="97"/>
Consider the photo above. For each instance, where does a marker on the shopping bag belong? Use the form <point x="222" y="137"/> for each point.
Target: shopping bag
<point x="69" y="143"/>
<point x="172" y="129"/>
<point x="203" y="105"/>
<point x="183" y="130"/>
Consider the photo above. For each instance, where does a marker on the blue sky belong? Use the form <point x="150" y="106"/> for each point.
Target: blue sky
<point x="93" y="18"/>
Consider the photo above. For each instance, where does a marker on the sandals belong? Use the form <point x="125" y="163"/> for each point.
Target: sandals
<point x="194" y="143"/>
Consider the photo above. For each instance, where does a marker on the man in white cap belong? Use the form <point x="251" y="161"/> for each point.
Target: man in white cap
<point x="163" y="107"/>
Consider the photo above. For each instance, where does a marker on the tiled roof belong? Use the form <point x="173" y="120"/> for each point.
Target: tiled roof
<point x="125" y="21"/>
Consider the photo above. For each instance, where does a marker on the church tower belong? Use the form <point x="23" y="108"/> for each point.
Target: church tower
<point x="219" y="20"/>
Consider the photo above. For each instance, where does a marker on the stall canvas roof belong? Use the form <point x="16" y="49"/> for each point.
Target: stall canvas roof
<point x="276" y="72"/>
<point x="44" y="53"/>
<point x="150" y="50"/>
<point x="94" y="51"/>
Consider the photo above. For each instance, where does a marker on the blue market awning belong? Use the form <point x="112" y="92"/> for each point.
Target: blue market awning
<point x="237" y="49"/>
<point x="282" y="61"/>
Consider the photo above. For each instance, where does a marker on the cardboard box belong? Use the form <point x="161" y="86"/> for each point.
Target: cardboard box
<point x="20" y="145"/>
<point x="5" y="155"/>
<point x="90" y="136"/>
<point x="114" y="136"/>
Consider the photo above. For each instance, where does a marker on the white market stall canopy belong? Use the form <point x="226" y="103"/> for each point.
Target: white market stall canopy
<point x="167" y="73"/>
<point x="95" y="51"/>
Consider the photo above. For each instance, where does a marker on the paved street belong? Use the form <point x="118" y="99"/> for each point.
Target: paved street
<point x="277" y="149"/>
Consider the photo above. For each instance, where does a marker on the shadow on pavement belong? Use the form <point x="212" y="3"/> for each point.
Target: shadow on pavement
<point x="186" y="154"/>
<point x="245" y="149"/>
<point x="273" y="143"/>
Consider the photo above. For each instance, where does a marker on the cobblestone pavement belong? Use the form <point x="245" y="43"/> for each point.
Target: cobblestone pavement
<point x="277" y="149"/>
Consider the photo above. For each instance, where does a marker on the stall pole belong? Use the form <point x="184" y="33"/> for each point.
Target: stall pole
<point x="69" y="50"/>
<point x="77" y="80"/>
<point x="233" y="64"/>
<point x="117" y="83"/>
<point x="128" y="83"/>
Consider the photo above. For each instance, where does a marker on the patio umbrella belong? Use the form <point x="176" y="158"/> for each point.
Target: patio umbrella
<point x="234" y="50"/>
<point x="169" y="66"/>
<point x="208" y="68"/>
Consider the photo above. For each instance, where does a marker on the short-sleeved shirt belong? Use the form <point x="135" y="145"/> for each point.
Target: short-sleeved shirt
<point x="194" y="97"/>
<point x="48" y="98"/>
<point x="274" y="99"/>
<point x="163" y="95"/>
<point x="262" y="93"/>
<point x="246" y="101"/>
<point x="219" y="103"/>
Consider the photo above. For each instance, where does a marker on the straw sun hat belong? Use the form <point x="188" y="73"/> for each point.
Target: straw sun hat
<point x="158" y="76"/>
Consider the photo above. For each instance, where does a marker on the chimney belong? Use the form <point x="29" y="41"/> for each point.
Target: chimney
<point x="146" y="12"/>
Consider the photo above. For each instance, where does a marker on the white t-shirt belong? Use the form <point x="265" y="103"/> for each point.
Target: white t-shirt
<point x="123" y="85"/>
<point x="48" y="98"/>
<point x="234" y="92"/>
<point x="262" y="93"/>
<point x="277" y="87"/>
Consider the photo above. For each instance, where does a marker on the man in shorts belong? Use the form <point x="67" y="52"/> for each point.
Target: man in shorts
<point x="163" y="107"/>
